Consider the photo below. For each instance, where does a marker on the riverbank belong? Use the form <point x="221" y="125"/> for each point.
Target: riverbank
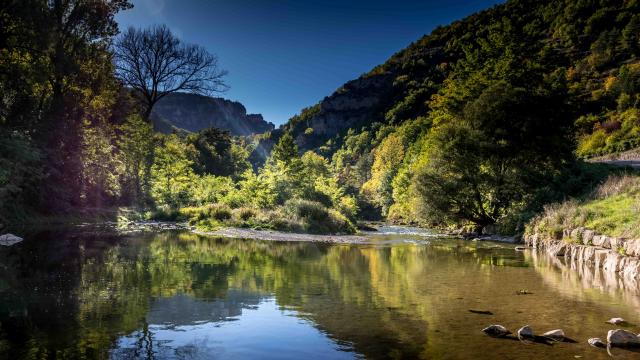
<point x="271" y="235"/>
<point x="585" y="247"/>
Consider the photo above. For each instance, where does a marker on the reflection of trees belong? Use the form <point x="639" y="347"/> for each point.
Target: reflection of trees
<point x="101" y="291"/>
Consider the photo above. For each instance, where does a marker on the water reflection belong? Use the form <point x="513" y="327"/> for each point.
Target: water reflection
<point x="178" y="295"/>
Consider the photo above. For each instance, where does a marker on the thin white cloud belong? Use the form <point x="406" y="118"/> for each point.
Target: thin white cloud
<point x="152" y="7"/>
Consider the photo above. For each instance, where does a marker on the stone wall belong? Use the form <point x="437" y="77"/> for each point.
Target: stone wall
<point x="585" y="247"/>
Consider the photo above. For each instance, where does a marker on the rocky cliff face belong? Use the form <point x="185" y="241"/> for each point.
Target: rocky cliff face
<point x="359" y="102"/>
<point x="195" y="112"/>
<point x="368" y="100"/>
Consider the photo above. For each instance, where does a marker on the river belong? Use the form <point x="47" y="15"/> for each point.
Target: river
<point x="96" y="293"/>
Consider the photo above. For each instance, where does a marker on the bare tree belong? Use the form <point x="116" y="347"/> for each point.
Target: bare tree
<point x="155" y="63"/>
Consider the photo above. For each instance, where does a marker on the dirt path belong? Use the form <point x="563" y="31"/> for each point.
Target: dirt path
<point x="628" y="158"/>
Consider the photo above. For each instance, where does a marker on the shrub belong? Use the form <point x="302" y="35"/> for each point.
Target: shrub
<point x="165" y="213"/>
<point x="244" y="213"/>
<point x="315" y="218"/>
<point x="219" y="212"/>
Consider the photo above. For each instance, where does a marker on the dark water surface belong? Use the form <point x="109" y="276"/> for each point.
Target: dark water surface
<point x="93" y="294"/>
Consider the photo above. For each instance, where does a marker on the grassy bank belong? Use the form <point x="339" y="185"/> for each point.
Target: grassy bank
<point x="612" y="209"/>
<point x="301" y="216"/>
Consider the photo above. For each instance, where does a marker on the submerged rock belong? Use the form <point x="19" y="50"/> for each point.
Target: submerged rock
<point x="555" y="335"/>
<point x="616" y="321"/>
<point x="9" y="239"/>
<point x="597" y="342"/>
<point x="523" y="292"/>
<point x="623" y="338"/>
<point x="482" y="312"/>
<point x="525" y="333"/>
<point x="496" y="331"/>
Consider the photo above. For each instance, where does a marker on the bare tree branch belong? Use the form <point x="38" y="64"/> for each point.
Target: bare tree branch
<point x="155" y="63"/>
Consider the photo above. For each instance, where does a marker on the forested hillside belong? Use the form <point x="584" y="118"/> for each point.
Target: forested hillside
<point x="483" y="119"/>
<point x="480" y="123"/>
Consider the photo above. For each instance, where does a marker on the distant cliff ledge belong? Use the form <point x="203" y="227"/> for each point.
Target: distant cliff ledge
<point x="196" y="112"/>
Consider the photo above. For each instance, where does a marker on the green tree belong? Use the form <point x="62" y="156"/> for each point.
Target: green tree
<point x="286" y="150"/>
<point x="509" y="143"/>
<point x="218" y="154"/>
<point x="172" y="175"/>
<point x="136" y="144"/>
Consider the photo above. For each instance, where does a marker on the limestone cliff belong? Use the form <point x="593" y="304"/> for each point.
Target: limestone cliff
<point x="195" y="112"/>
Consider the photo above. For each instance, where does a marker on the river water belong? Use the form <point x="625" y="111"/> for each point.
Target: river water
<point x="98" y="294"/>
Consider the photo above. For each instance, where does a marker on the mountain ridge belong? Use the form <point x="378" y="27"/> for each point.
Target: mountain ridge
<point x="192" y="112"/>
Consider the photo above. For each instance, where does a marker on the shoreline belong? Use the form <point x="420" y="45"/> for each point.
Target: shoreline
<point x="614" y="255"/>
<point x="272" y="235"/>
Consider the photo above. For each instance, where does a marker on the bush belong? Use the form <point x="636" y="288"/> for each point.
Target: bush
<point x="165" y="213"/>
<point x="315" y="218"/>
<point x="244" y="213"/>
<point x="218" y="212"/>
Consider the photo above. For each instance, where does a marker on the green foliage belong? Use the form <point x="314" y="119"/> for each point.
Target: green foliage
<point x="136" y="143"/>
<point x="315" y="218"/>
<point x="58" y="89"/>
<point x="218" y="154"/>
<point x="286" y="150"/>
<point x="20" y="174"/>
<point x="612" y="209"/>
<point x="171" y="173"/>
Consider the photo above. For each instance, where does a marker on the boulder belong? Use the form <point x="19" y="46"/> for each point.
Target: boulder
<point x="555" y="335"/>
<point x="616" y="321"/>
<point x="9" y="239"/>
<point x="557" y="249"/>
<point x="632" y="247"/>
<point x="496" y="331"/>
<point x="597" y="342"/>
<point x="525" y="333"/>
<point x="616" y="243"/>
<point x="587" y="237"/>
<point x="623" y="338"/>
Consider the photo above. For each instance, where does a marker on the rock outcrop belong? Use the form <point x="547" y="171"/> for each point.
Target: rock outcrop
<point x="585" y="247"/>
<point x="195" y="112"/>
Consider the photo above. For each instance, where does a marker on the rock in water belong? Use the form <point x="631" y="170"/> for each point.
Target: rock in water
<point x="525" y="333"/>
<point x="623" y="338"/>
<point x="496" y="331"/>
<point x="616" y="321"/>
<point x="597" y="342"/>
<point x="483" y="312"/>
<point x="555" y="335"/>
<point x="9" y="239"/>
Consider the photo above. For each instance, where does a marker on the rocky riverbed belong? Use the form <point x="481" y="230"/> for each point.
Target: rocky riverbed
<point x="283" y="236"/>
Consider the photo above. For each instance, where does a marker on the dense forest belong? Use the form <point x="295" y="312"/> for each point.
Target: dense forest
<point x="480" y="124"/>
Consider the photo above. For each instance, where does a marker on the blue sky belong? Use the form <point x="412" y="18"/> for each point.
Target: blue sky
<point x="283" y="55"/>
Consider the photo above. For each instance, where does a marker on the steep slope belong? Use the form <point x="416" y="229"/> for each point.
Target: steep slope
<point x="592" y="41"/>
<point x="481" y="121"/>
<point x="195" y="112"/>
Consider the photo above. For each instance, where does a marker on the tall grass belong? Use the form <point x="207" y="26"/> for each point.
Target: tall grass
<point x="612" y="209"/>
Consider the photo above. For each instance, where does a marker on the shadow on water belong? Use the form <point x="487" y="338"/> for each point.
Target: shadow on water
<point x="98" y="294"/>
